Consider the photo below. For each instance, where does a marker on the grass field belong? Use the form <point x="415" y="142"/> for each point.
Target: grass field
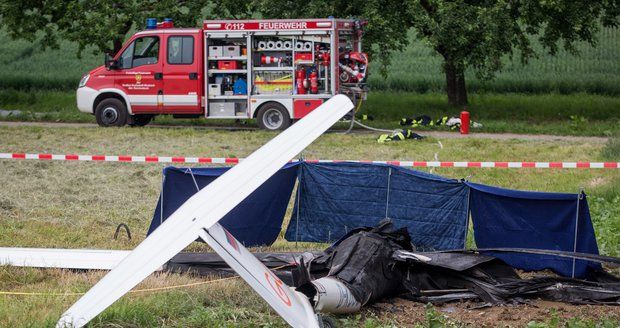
<point x="596" y="70"/>
<point x="75" y="205"/>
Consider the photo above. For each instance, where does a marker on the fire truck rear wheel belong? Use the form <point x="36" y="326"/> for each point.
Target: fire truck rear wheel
<point x="140" y="119"/>
<point x="111" y="112"/>
<point x="273" y="116"/>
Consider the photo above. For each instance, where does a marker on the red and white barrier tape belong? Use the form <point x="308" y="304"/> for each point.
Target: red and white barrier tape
<point x="516" y="165"/>
<point x="220" y="160"/>
<point x="123" y="158"/>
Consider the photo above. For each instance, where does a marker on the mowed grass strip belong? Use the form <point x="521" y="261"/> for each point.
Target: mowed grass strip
<point x="576" y="114"/>
<point x="79" y="204"/>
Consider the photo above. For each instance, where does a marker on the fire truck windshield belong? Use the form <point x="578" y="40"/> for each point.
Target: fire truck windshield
<point x="142" y="51"/>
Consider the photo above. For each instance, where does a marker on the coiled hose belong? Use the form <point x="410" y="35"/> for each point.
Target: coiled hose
<point x="353" y="121"/>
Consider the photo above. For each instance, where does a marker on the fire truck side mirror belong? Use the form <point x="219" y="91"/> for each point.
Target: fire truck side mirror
<point x="110" y="63"/>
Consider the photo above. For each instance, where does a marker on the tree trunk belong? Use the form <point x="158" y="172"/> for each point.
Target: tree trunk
<point x="450" y="71"/>
<point x="117" y="44"/>
<point x="455" y="84"/>
<point x="461" y="91"/>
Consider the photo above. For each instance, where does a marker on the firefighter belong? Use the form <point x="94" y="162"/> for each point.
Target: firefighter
<point x="399" y="135"/>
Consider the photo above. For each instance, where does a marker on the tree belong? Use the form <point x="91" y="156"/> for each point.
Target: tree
<point x="104" y="24"/>
<point x="478" y="33"/>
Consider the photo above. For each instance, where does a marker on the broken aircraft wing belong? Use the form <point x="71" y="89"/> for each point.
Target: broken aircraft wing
<point x="291" y="305"/>
<point x="89" y="259"/>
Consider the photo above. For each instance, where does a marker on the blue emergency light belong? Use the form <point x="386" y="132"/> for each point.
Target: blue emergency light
<point x="151" y="23"/>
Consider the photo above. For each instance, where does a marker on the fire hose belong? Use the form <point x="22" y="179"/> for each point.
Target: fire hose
<point x="353" y="122"/>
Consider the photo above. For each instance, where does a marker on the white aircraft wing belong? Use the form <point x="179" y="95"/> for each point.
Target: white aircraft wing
<point x="203" y="210"/>
<point x="92" y="259"/>
<point x="291" y="305"/>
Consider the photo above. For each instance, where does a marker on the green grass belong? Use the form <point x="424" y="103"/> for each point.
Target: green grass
<point x="26" y="65"/>
<point x="508" y="107"/>
<point x="612" y="148"/>
<point x="596" y="70"/>
<point x="577" y="114"/>
<point x="78" y="205"/>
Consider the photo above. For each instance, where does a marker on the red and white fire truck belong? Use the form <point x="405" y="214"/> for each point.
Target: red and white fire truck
<point x="275" y="71"/>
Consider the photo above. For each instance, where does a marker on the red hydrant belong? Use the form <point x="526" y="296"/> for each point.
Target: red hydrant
<point x="464" y="122"/>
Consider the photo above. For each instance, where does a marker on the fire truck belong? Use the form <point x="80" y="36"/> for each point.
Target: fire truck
<point x="274" y="71"/>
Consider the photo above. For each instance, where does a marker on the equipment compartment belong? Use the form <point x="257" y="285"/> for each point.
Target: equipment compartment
<point x="303" y="107"/>
<point x="222" y="109"/>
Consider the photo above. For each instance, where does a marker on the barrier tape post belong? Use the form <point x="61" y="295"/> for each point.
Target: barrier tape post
<point x="232" y="160"/>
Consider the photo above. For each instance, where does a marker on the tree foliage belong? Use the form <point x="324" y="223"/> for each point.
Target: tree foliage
<point x="104" y="24"/>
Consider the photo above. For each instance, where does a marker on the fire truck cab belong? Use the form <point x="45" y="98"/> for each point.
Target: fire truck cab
<point x="275" y="71"/>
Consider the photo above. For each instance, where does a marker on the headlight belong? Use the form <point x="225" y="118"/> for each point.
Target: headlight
<point x="84" y="80"/>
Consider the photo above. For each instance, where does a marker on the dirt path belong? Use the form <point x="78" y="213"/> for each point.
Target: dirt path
<point x="434" y="134"/>
<point x="150" y="126"/>
<point x="408" y="314"/>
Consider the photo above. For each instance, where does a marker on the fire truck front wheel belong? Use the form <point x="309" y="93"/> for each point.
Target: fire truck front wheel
<point x="111" y="112"/>
<point x="273" y="116"/>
